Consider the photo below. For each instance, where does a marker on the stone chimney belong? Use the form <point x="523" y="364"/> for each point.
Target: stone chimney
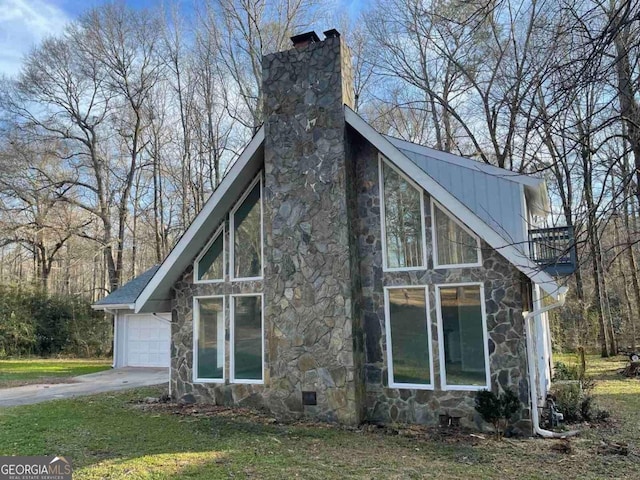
<point x="311" y="276"/>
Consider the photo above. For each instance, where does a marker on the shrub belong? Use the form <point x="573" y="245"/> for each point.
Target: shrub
<point x="575" y="402"/>
<point x="32" y="323"/>
<point x="562" y="371"/>
<point x="497" y="409"/>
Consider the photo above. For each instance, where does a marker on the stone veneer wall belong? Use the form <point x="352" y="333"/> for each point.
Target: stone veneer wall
<point x="503" y="302"/>
<point x="185" y="289"/>
<point x="309" y="249"/>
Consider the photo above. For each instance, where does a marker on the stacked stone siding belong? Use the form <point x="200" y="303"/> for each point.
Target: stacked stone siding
<point x="503" y="285"/>
<point x="309" y="275"/>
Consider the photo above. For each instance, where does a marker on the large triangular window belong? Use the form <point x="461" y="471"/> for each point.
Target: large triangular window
<point x="209" y="265"/>
<point x="403" y="230"/>
<point x="246" y="235"/>
<point x="455" y="245"/>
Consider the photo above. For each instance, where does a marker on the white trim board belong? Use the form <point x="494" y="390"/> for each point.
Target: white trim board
<point x="458" y="209"/>
<point x="182" y="253"/>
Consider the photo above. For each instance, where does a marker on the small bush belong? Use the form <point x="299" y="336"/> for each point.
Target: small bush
<point x="497" y="409"/>
<point x="562" y="371"/>
<point x="575" y="402"/>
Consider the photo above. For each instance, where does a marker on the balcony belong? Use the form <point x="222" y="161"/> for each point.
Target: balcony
<point x="554" y="249"/>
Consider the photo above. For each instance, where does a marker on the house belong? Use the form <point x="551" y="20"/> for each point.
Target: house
<point x="139" y="339"/>
<point x="343" y="275"/>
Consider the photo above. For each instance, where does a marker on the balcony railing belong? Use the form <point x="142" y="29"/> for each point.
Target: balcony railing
<point x="554" y="249"/>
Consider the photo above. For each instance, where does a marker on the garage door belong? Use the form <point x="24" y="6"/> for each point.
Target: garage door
<point x="148" y="341"/>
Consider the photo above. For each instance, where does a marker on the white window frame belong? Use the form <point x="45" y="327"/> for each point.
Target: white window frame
<point x="219" y="231"/>
<point x="385" y="268"/>
<point x="232" y="336"/>
<point x="232" y="233"/>
<point x="434" y="238"/>
<point x="196" y="337"/>
<point x="485" y="339"/>
<point x="387" y="313"/>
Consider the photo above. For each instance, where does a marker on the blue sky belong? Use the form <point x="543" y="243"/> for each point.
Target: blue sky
<point x="23" y="23"/>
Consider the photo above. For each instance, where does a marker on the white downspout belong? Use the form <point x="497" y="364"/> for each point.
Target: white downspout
<point x="528" y="318"/>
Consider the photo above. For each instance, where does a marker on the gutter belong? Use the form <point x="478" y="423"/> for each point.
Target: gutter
<point x="533" y="387"/>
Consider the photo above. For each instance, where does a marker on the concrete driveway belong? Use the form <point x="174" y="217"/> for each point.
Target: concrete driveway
<point x="105" y="381"/>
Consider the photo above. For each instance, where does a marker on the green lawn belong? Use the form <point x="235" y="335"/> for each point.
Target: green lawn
<point x="112" y="436"/>
<point x="27" y="371"/>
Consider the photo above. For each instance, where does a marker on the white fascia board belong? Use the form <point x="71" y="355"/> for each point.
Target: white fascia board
<point x="199" y="222"/>
<point x="457" y="208"/>
<point x="113" y="307"/>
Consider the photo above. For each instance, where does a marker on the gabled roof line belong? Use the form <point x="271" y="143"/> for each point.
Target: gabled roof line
<point x="201" y="219"/>
<point x="457" y="208"/>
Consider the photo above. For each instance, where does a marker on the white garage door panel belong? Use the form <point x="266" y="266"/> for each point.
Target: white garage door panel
<point x="148" y="341"/>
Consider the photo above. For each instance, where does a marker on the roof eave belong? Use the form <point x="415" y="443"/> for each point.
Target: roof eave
<point x="115" y="306"/>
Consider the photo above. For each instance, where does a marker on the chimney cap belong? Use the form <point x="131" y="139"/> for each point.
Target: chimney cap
<point x="305" y="38"/>
<point x="332" y="33"/>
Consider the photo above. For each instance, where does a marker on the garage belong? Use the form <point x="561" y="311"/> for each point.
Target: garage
<point x="147" y="341"/>
<point x="139" y="339"/>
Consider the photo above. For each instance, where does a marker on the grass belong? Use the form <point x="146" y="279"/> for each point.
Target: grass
<point x="111" y="436"/>
<point x="14" y="373"/>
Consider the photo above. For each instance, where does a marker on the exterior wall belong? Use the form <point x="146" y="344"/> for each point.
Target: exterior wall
<point x="182" y="384"/>
<point x="503" y="303"/>
<point x="119" y="346"/>
<point x="311" y="270"/>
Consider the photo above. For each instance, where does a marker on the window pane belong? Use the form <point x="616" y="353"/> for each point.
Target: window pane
<point x="248" y="237"/>
<point x="210" y="347"/>
<point x="409" y="336"/>
<point x="211" y="264"/>
<point x="462" y="335"/>
<point x="455" y="245"/>
<point x="403" y="222"/>
<point x="247" y="342"/>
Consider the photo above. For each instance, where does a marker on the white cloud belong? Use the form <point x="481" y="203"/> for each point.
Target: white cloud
<point x="24" y="23"/>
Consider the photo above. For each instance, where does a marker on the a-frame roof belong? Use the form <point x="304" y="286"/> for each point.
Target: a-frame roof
<point x="156" y="295"/>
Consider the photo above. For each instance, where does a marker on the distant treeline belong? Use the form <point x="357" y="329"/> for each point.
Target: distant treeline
<point x="33" y="323"/>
